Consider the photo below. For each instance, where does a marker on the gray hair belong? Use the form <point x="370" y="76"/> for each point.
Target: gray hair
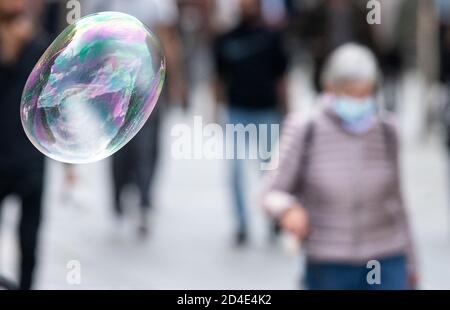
<point x="350" y="62"/>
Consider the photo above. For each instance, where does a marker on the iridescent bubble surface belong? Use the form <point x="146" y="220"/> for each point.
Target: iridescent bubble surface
<point x="93" y="89"/>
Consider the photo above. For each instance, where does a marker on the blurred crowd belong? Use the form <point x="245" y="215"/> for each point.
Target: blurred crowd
<point x="337" y="187"/>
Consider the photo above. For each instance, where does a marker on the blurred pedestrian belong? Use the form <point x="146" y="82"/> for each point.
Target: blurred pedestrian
<point x="330" y="24"/>
<point x="337" y="187"/>
<point x="21" y="165"/>
<point x="136" y="163"/>
<point x="250" y="68"/>
<point x="389" y="51"/>
<point x="443" y="8"/>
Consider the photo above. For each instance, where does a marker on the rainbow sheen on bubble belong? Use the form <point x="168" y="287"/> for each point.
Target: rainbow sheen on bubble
<point x="93" y="89"/>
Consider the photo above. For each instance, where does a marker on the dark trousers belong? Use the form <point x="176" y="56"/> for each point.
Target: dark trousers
<point x="136" y="162"/>
<point x="341" y="276"/>
<point x="28" y="186"/>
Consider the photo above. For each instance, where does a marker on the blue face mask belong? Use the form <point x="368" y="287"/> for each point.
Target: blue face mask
<point x="352" y="110"/>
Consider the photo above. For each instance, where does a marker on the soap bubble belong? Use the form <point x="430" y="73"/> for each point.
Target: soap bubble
<point x="93" y="89"/>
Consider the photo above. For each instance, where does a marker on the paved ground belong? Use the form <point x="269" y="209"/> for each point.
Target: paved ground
<point x="190" y="246"/>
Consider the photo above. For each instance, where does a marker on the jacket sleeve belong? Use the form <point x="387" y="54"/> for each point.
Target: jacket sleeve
<point x="278" y="192"/>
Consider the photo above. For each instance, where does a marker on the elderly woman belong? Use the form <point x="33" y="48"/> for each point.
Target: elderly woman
<point x="337" y="187"/>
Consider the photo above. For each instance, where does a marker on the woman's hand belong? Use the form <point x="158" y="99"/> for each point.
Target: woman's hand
<point x="295" y="221"/>
<point x="413" y="280"/>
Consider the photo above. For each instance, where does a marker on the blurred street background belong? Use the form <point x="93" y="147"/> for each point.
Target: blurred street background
<point x="190" y="242"/>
